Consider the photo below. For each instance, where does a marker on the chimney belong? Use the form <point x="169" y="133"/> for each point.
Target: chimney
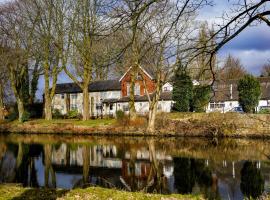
<point x="231" y="86"/>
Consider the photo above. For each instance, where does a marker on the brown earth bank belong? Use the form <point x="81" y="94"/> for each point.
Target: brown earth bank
<point x="168" y="124"/>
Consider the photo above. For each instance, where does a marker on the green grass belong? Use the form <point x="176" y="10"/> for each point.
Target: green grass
<point x="15" y="192"/>
<point x="76" y="122"/>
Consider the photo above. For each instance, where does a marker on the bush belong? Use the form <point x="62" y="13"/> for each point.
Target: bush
<point x="57" y="114"/>
<point x="264" y="111"/>
<point x="12" y="116"/>
<point x="249" y="93"/>
<point x="121" y="117"/>
<point x="73" y="114"/>
<point x="25" y="116"/>
<point x="182" y="92"/>
<point x="120" y="114"/>
<point x="201" y="98"/>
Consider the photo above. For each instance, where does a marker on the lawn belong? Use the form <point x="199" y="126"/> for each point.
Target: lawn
<point x="15" y="192"/>
<point x="76" y="122"/>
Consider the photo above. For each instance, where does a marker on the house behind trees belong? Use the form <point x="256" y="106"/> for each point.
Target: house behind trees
<point x="108" y="96"/>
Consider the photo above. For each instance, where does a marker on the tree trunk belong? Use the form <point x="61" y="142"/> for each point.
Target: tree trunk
<point x="20" y="109"/>
<point x="86" y="164"/>
<point x="86" y="114"/>
<point x="153" y="106"/>
<point x="48" y="108"/>
<point x="48" y="100"/>
<point x="132" y="110"/>
<point x="2" y="116"/>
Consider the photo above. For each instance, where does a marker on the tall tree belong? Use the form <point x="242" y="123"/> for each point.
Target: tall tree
<point x="16" y="43"/>
<point x="265" y="70"/>
<point x="232" y="69"/>
<point x="52" y="35"/>
<point x="249" y="93"/>
<point x="90" y="26"/>
<point x="182" y="91"/>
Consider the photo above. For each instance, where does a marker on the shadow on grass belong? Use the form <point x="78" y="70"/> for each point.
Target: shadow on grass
<point x="43" y="194"/>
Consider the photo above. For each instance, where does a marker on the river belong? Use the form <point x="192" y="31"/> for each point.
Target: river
<point x="218" y="169"/>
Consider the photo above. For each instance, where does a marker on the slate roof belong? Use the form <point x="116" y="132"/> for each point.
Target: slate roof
<point x="223" y="90"/>
<point x="97" y="86"/>
<point x="165" y="96"/>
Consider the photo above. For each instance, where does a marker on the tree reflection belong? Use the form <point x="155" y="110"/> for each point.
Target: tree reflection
<point x="49" y="171"/>
<point x="252" y="182"/>
<point x="156" y="175"/>
<point x="86" y="164"/>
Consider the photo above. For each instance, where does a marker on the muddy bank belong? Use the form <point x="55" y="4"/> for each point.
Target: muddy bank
<point x="174" y="124"/>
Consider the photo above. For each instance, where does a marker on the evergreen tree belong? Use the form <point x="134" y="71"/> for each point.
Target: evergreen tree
<point x="249" y="93"/>
<point x="182" y="91"/>
<point x="201" y="97"/>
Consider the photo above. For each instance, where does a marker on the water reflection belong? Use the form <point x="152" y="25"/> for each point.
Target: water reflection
<point x="230" y="170"/>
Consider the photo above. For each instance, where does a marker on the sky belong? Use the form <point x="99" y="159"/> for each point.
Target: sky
<point x="252" y="46"/>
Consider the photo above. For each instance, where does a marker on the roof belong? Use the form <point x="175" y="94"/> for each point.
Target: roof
<point x="147" y="71"/>
<point x="227" y="90"/>
<point x="164" y="96"/>
<point x="97" y="86"/>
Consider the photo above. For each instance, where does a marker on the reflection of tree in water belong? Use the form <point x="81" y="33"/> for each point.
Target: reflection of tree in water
<point x="86" y="164"/>
<point x="188" y="172"/>
<point x="156" y="181"/>
<point x="252" y="182"/>
<point x="149" y="176"/>
<point x="49" y="171"/>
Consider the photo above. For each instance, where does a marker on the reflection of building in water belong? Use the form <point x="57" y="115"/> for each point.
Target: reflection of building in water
<point x="100" y="156"/>
<point x="140" y="173"/>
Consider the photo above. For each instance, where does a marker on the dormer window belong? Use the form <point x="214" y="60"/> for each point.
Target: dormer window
<point x="139" y="76"/>
<point x="128" y="89"/>
<point x="137" y="89"/>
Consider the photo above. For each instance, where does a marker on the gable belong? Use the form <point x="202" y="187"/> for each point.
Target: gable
<point x="143" y="70"/>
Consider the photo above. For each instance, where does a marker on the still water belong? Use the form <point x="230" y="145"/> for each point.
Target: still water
<point x="223" y="169"/>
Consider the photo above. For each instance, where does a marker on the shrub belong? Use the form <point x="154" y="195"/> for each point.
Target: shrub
<point x="73" y="114"/>
<point x="264" y="111"/>
<point x="57" y="114"/>
<point x="201" y="98"/>
<point x="121" y="117"/>
<point x="120" y="114"/>
<point x="182" y="91"/>
<point x="25" y="116"/>
<point x="249" y="93"/>
<point x="12" y="116"/>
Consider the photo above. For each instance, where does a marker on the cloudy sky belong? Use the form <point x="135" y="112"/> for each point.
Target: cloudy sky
<point x="252" y="46"/>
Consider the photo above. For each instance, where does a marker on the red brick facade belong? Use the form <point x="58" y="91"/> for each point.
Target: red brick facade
<point x="150" y="83"/>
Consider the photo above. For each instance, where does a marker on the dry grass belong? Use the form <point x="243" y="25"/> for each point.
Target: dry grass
<point x="15" y="192"/>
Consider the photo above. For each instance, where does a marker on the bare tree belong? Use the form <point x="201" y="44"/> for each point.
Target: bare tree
<point x="245" y="13"/>
<point x="265" y="70"/>
<point x="89" y="29"/>
<point x="170" y="31"/>
<point x="16" y="42"/>
<point x="232" y="69"/>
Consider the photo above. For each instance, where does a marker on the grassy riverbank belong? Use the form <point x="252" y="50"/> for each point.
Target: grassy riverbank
<point x="15" y="192"/>
<point x="173" y="124"/>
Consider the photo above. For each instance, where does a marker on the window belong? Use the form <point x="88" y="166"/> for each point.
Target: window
<point x="165" y="89"/>
<point x="62" y="96"/>
<point x="125" y="108"/>
<point x="111" y="106"/>
<point x="217" y="105"/>
<point x="73" y="107"/>
<point x="128" y="89"/>
<point x="73" y="96"/>
<point x="137" y="89"/>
